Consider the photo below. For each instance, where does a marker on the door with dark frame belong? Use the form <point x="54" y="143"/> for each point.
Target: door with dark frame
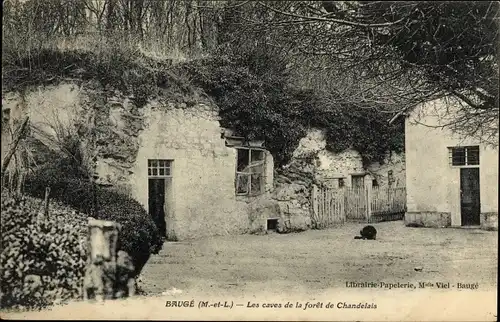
<point x="160" y="192"/>
<point x="156" y="200"/>
<point x="470" y="202"/>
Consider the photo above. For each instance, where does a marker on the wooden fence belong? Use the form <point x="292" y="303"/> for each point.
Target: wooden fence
<point x="332" y="207"/>
<point x="387" y="203"/>
<point x="328" y="207"/>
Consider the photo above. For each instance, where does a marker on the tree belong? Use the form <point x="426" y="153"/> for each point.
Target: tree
<point x="392" y="55"/>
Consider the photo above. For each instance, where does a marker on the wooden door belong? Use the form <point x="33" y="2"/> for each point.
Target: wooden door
<point x="156" y="200"/>
<point x="470" y="203"/>
<point x="358" y="181"/>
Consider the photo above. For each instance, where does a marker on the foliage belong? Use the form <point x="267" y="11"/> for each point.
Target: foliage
<point x="393" y="54"/>
<point x="113" y="66"/>
<point x="42" y="257"/>
<point x="363" y="129"/>
<point x="449" y="42"/>
<point x="255" y="84"/>
<point x="139" y="235"/>
<point x="252" y="89"/>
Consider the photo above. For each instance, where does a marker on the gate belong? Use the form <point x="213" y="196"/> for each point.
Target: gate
<point x="387" y="204"/>
<point x="328" y="207"/>
<point x="356" y="200"/>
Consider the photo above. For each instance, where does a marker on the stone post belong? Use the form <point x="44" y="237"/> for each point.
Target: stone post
<point x="100" y="273"/>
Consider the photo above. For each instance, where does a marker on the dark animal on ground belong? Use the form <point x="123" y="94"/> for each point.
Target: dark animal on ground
<point x="368" y="232"/>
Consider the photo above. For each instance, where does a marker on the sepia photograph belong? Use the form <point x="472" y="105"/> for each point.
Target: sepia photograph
<point x="242" y="160"/>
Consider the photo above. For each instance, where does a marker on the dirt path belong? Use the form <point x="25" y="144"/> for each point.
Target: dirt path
<point x="311" y="269"/>
<point x="315" y="260"/>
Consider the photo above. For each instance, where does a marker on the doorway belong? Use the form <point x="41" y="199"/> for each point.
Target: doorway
<point x="470" y="202"/>
<point x="156" y="201"/>
<point x="358" y="181"/>
<point x="159" y="192"/>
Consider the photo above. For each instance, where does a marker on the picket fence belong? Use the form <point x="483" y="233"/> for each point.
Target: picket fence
<point x="331" y="207"/>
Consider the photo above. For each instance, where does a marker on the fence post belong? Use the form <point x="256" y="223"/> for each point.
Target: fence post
<point x="314" y="202"/>
<point x="100" y="273"/>
<point x="342" y="205"/>
<point x="368" y="195"/>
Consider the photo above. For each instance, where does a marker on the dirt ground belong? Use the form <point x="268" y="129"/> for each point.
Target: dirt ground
<point x="321" y="259"/>
<point x="308" y="271"/>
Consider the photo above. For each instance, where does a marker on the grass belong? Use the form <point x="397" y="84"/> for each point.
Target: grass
<point x="143" y="69"/>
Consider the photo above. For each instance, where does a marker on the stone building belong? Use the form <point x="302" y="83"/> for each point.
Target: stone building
<point x="450" y="180"/>
<point x="187" y="171"/>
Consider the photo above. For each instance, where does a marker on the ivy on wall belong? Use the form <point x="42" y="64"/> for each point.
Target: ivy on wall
<point x="253" y="92"/>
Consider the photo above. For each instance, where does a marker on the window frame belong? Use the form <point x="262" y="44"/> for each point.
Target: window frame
<point x="390" y="178"/>
<point x="168" y="164"/>
<point x="467" y="163"/>
<point x="248" y="175"/>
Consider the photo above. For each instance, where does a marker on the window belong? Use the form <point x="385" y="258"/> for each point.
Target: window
<point x="467" y="155"/>
<point x="159" y="168"/>
<point x="341" y="183"/>
<point x="272" y="224"/>
<point x="250" y="169"/>
<point x="390" y="178"/>
<point x="374" y="183"/>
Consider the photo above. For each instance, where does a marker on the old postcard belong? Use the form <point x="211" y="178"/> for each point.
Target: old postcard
<point x="249" y="160"/>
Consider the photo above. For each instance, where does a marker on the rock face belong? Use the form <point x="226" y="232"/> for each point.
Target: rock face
<point x="312" y="164"/>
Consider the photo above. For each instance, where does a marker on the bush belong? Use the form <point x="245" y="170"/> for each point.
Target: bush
<point x="42" y="258"/>
<point x="139" y="236"/>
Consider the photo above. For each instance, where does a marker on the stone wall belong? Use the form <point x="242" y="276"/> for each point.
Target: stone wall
<point x="428" y="219"/>
<point x="489" y="220"/>
<point x="312" y="163"/>
<point x="201" y="198"/>
<point x="394" y="162"/>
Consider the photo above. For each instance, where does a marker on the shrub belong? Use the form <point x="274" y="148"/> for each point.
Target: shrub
<point x="42" y="258"/>
<point x="139" y="236"/>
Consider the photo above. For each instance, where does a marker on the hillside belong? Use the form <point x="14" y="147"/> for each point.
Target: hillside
<point x="255" y="100"/>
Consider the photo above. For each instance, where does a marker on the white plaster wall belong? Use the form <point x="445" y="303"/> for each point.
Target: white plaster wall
<point x="204" y="200"/>
<point x="432" y="184"/>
